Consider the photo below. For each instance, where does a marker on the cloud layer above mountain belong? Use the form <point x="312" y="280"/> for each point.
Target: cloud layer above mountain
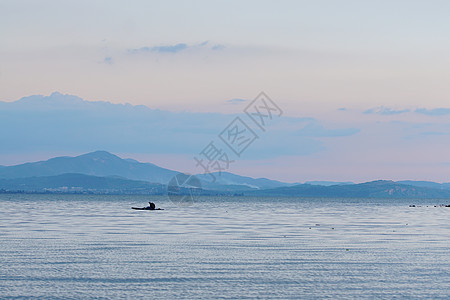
<point x="344" y="145"/>
<point x="68" y="123"/>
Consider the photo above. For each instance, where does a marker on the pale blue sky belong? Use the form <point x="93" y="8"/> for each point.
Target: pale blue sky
<point x="326" y="60"/>
<point x="304" y="53"/>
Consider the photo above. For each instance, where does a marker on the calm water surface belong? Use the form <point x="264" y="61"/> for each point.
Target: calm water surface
<point x="86" y="247"/>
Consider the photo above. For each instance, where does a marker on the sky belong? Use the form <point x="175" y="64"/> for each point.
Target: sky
<point x="378" y="69"/>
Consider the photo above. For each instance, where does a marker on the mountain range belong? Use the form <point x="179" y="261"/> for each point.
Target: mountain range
<point x="373" y="189"/>
<point x="99" y="163"/>
<point x="81" y="183"/>
<point x="43" y="175"/>
<point x="105" y="173"/>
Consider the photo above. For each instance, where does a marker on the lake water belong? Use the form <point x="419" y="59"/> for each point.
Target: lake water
<point x="86" y="247"/>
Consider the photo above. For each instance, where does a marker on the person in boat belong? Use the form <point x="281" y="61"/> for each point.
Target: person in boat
<point x="152" y="206"/>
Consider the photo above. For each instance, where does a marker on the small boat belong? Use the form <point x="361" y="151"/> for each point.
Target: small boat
<point x="146" y="208"/>
<point x="150" y="207"/>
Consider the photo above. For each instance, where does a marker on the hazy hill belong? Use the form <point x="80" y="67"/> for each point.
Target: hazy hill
<point x="80" y="183"/>
<point x="374" y="189"/>
<point x="235" y="182"/>
<point x="429" y="184"/>
<point x="328" y="183"/>
<point x="102" y="163"/>
<point x="99" y="163"/>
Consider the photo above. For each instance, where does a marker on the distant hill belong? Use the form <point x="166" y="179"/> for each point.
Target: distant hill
<point x="374" y="189"/>
<point x="328" y="183"/>
<point x="230" y="181"/>
<point x="429" y="184"/>
<point x="105" y="164"/>
<point x="72" y="183"/>
<point x="99" y="163"/>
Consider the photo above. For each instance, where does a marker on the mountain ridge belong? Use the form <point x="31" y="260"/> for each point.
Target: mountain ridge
<point x="102" y="163"/>
<point x="103" y="172"/>
<point x="98" y="163"/>
<point x="371" y="189"/>
<point x="80" y="183"/>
